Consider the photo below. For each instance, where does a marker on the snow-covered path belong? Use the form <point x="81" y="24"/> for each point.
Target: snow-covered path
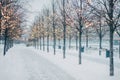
<point x="28" y="63"/>
<point x="24" y="64"/>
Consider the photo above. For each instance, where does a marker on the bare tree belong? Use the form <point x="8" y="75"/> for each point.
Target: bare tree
<point x="80" y="7"/>
<point x="111" y="12"/>
<point x="54" y="35"/>
<point x="100" y="27"/>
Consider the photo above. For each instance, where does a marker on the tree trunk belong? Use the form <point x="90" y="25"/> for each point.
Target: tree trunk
<point x="69" y="41"/>
<point x="80" y="33"/>
<point x="5" y="41"/>
<point x="37" y="42"/>
<point x="80" y="46"/>
<point x="48" y="43"/>
<point x="54" y="39"/>
<point x="54" y="43"/>
<point x="54" y="35"/>
<point x="100" y="36"/>
<point x="100" y="44"/>
<point x="40" y="44"/>
<point x="43" y="42"/>
<point x="64" y="45"/>
<point x="87" y="38"/>
<point x="76" y="41"/>
<point x="111" y="54"/>
<point x="111" y="25"/>
<point x="64" y="31"/>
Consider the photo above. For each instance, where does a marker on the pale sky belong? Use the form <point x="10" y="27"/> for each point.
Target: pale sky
<point x="35" y="6"/>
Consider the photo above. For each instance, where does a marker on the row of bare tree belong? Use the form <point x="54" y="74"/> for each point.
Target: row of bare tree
<point x="73" y="18"/>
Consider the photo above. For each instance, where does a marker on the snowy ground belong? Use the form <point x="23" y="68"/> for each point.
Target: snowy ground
<point x="94" y="67"/>
<point x="27" y="63"/>
<point x="21" y="63"/>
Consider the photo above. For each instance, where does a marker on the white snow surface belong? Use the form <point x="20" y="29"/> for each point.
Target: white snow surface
<point x="22" y="63"/>
<point x="27" y="63"/>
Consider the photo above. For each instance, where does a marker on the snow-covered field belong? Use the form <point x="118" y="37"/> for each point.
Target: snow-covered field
<point x="27" y="63"/>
